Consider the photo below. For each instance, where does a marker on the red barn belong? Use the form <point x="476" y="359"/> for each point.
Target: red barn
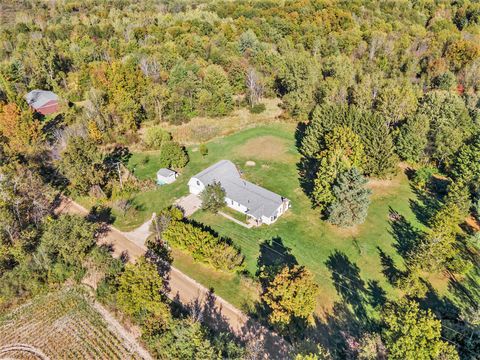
<point x="42" y="101"/>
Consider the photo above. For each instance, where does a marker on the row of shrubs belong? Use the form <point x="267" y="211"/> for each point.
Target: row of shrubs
<point x="203" y="245"/>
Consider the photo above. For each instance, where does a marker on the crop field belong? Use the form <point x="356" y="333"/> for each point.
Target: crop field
<point x="62" y="325"/>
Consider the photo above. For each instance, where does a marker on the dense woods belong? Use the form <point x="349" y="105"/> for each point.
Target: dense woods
<point x="374" y="86"/>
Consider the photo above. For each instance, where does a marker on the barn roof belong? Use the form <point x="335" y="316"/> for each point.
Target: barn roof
<point x="38" y="98"/>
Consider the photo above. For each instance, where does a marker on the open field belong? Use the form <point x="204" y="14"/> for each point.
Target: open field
<point x="299" y="236"/>
<point x="63" y="325"/>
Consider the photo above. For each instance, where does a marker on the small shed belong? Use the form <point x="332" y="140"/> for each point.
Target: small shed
<point x="42" y="101"/>
<point x="166" y="176"/>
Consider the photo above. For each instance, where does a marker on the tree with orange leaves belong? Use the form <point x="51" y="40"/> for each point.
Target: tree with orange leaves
<point x="20" y="128"/>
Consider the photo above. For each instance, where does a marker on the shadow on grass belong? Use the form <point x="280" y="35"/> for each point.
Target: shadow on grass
<point x="404" y="233"/>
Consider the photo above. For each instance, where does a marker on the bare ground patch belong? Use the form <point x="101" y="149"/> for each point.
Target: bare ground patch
<point x="344" y="232"/>
<point x="270" y="148"/>
<point x="384" y="187"/>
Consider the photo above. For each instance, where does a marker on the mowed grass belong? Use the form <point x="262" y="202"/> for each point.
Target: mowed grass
<point x="308" y="240"/>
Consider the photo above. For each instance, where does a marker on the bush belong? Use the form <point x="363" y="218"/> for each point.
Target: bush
<point x="203" y="150"/>
<point x="257" y="109"/>
<point x="422" y="177"/>
<point x="155" y="137"/>
<point x="173" y="155"/>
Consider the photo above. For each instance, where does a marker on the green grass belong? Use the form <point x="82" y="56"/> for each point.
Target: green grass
<point x="311" y="240"/>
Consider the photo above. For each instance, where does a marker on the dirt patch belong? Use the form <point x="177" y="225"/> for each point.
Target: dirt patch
<point x="474" y="224"/>
<point x="383" y="187"/>
<point x="344" y="232"/>
<point x="268" y="148"/>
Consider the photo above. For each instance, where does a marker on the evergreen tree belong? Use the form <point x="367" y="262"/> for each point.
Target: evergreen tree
<point x="351" y="199"/>
<point x="412" y="138"/>
<point x="343" y="149"/>
<point x="213" y="197"/>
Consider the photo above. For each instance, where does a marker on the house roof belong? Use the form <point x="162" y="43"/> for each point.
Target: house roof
<point x="259" y="201"/>
<point x="165" y="172"/>
<point x="38" y="98"/>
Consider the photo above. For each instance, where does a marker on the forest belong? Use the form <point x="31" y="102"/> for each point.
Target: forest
<point x="373" y="88"/>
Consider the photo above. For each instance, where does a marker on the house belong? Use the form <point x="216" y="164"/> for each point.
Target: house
<point x="42" y="101"/>
<point x="259" y="204"/>
<point x="166" y="176"/>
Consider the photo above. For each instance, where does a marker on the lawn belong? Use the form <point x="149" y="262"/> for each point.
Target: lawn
<point x="351" y="255"/>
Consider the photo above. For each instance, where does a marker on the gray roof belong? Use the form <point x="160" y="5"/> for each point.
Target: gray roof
<point x="165" y="172"/>
<point x="258" y="200"/>
<point x="38" y="98"/>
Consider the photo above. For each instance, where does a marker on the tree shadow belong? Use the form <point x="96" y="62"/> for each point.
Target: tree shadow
<point x="389" y="269"/>
<point x="426" y="205"/>
<point x="403" y="232"/>
<point x="101" y="214"/>
<point x="348" y="283"/>
<point x="377" y="296"/>
<point x="307" y="169"/>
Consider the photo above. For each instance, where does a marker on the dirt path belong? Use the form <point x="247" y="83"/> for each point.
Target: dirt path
<point x="214" y="310"/>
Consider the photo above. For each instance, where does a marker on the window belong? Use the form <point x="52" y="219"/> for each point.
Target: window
<point x="198" y="183"/>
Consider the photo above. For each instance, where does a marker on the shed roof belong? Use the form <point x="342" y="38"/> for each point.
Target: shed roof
<point x="38" y="98"/>
<point x="165" y="172"/>
<point x="258" y="200"/>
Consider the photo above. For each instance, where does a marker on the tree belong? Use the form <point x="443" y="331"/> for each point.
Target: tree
<point x="466" y="167"/>
<point x="155" y="137"/>
<point x="351" y="199"/>
<point x="68" y="239"/>
<point x="296" y="81"/>
<point x="438" y="247"/>
<point x="140" y="291"/>
<point x="19" y="127"/>
<point x="343" y="149"/>
<point x="216" y="98"/>
<point x="82" y="164"/>
<point x="291" y="295"/>
<point x="213" y="197"/>
<point x="414" y="334"/>
<point x="450" y="123"/>
<point x="254" y="87"/>
<point x="173" y="155"/>
<point x="413" y="138"/>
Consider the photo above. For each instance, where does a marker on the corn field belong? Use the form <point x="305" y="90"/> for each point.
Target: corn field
<point x="62" y="325"/>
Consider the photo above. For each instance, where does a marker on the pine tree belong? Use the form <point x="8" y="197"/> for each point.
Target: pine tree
<point x="412" y="138"/>
<point x="351" y="199"/>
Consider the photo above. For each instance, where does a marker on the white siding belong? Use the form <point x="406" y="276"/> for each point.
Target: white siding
<point x="235" y="205"/>
<point x="195" y="186"/>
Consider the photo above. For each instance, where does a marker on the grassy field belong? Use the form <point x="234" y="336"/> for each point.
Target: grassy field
<point x="61" y="325"/>
<point x="299" y="236"/>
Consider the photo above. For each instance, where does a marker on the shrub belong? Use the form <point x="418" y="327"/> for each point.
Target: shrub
<point x="203" y="150"/>
<point x="203" y="245"/>
<point x="155" y="137"/>
<point x="173" y="155"/>
<point x="257" y="109"/>
<point x="422" y="176"/>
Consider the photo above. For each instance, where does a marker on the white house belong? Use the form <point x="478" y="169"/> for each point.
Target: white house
<point x="166" y="176"/>
<point x="255" y="202"/>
